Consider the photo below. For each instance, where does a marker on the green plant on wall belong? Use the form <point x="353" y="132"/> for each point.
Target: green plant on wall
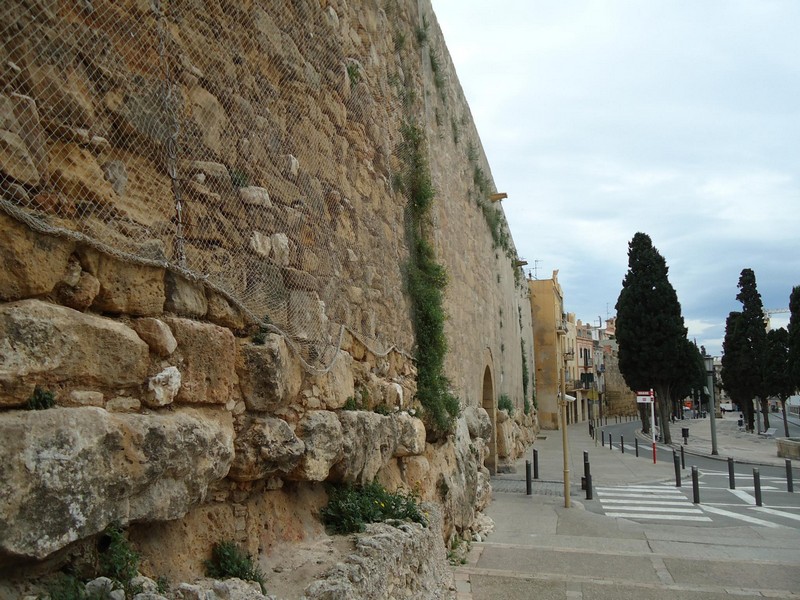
<point x="40" y="399"/>
<point x="426" y="281"/>
<point x="504" y="403"/>
<point x="525" y="373"/>
<point x="228" y="560"/>
<point x="353" y="73"/>
<point x="350" y="508"/>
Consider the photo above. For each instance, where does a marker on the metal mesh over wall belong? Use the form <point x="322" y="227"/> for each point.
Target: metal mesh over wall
<point x="229" y="140"/>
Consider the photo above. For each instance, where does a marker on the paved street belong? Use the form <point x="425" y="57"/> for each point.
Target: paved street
<point x="640" y="536"/>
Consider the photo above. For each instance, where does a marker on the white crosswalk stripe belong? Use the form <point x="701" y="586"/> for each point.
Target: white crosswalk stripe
<point x="643" y="502"/>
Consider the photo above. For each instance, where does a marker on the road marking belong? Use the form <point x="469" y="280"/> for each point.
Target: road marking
<point x="741" y="494"/>
<point x="778" y="513"/>
<point x="660" y="517"/>
<point x="639" y="488"/>
<point x="639" y="495"/>
<point x="654" y="502"/>
<point x="733" y="515"/>
<point x="685" y="510"/>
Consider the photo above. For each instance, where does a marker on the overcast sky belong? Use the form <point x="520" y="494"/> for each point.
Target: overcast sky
<point x="677" y="118"/>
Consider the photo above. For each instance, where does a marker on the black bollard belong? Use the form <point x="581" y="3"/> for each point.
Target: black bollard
<point x="622" y="444"/>
<point x="789" y="482"/>
<point x="587" y="475"/>
<point x="683" y="459"/>
<point x="695" y="486"/>
<point x="610" y="445"/>
<point x="731" y="476"/>
<point x="602" y="438"/>
<point x="636" y="446"/>
<point x="528" y="487"/>
<point x="757" y="486"/>
<point x="535" y="463"/>
<point x="677" y="462"/>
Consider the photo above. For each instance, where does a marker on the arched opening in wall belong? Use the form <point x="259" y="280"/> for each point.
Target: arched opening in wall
<point x="489" y="404"/>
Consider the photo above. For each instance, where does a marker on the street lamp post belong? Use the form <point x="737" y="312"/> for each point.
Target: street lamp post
<point x="562" y="403"/>
<point x="709" y="360"/>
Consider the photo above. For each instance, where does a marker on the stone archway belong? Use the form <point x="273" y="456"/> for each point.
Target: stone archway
<point x="489" y="404"/>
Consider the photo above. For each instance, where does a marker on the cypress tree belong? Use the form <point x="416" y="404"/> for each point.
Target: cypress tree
<point x="755" y="334"/>
<point x="777" y="380"/>
<point x="650" y="329"/>
<point x="794" y="338"/>
<point x="737" y="377"/>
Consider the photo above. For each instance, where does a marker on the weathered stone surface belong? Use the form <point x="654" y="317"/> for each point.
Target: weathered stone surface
<point x="69" y="472"/>
<point x="255" y="196"/>
<point x="123" y="404"/>
<point x="125" y="288"/>
<point x="280" y="249"/>
<point x="478" y="422"/>
<point x="228" y="589"/>
<point x="43" y="343"/>
<point x="163" y="387"/>
<point x="410" y="435"/>
<point x="321" y="432"/>
<point x="84" y="398"/>
<point x="260" y="244"/>
<point x="76" y="174"/>
<point x="206" y="358"/>
<point x="263" y="448"/>
<point x="156" y="334"/>
<point x="30" y="264"/>
<point x="505" y="435"/>
<point x="408" y="561"/>
<point x="184" y="298"/>
<point x="117" y="175"/>
<point x="370" y="440"/>
<point x="337" y="385"/>
<point x="221" y="312"/>
<point x="81" y="295"/>
<point x="15" y="160"/>
<point x="30" y="130"/>
<point x="269" y="375"/>
<point x="210" y="118"/>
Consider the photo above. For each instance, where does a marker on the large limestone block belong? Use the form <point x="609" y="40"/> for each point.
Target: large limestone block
<point x="15" y="160"/>
<point x="505" y="437"/>
<point x="370" y="441"/>
<point x="49" y="344"/>
<point x="478" y="422"/>
<point x="125" y="288"/>
<point x="410" y="435"/>
<point x="206" y="358"/>
<point x="69" y="472"/>
<point x="321" y="432"/>
<point x="269" y="375"/>
<point x="263" y="448"/>
<point x="337" y="385"/>
<point x="185" y="298"/>
<point x="31" y="264"/>
<point x="75" y="173"/>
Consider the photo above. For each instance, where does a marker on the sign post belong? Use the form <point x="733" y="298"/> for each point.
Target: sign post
<point x="647" y="397"/>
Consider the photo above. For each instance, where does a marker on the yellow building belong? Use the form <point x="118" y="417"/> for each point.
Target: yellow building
<point x="550" y="346"/>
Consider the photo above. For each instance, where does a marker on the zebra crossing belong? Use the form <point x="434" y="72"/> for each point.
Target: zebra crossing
<point x="662" y="503"/>
<point x="648" y="502"/>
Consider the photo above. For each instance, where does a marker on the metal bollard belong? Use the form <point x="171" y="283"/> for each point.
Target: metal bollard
<point x="610" y="445"/>
<point x="636" y="446"/>
<point x="622" y="444"/>
<point x="683" y="459"/>
<point x="528" y="487"/>
<point x="757" y="486"/>
<point x="603" y="438"/>
<point x="731" y="476"/>
<point x="677" y="462"/>
<point x="587" y="475"/>
<point x="695" y="486"/>
<point x="789" y="482"/>
<point x="535" y="463"/>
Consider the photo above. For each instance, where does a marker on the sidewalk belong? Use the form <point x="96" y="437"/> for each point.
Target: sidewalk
<point x="742" y="446"/>
<point x="540" y="549"/>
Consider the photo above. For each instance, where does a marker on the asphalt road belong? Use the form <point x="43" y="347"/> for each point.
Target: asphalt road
<point x="719" y="505"/>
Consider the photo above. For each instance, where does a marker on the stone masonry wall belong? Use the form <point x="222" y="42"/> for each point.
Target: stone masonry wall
<point x="178" y="409"/>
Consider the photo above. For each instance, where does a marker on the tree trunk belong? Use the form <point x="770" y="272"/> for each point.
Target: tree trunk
<point x="662" y="394"/>
<point x="644" y="414"/>
<point x="765" y="411"/>
<point x="747" y="409"/>
<point x="785" y="422"/>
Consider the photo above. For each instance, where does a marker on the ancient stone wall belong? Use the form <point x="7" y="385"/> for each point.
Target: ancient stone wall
<point x="202" y="259"/>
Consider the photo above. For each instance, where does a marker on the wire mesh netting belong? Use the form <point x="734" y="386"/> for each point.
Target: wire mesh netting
<point x="249" y="144"/>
